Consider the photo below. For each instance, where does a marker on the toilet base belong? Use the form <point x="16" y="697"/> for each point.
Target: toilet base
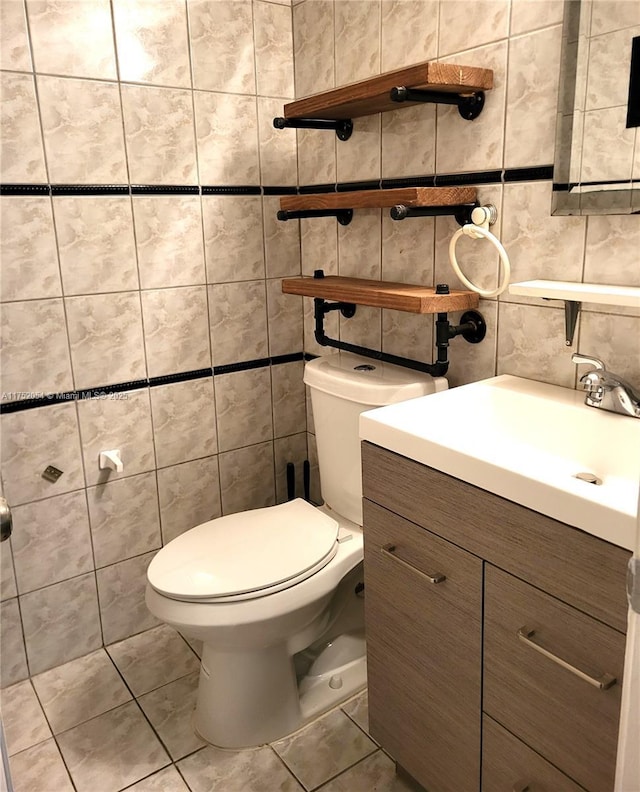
<point x="246" y="699"/>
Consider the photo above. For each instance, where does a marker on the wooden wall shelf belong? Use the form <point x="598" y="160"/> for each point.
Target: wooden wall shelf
<point x="374" y="94"/>
<point x="381" y="294"/>
<point x="372" y="199"/>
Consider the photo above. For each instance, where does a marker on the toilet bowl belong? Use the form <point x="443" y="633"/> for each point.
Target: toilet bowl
<point x="275" y="594"/>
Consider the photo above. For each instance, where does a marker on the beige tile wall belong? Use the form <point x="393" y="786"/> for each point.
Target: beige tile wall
<point x="337" y="42"/>
<point x="100" y="289"/>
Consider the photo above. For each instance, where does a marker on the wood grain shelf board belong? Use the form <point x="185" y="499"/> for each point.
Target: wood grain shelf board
<point x="372" y="95"/>
<point x="381" y="294"/>
<point x="371" y="199"/>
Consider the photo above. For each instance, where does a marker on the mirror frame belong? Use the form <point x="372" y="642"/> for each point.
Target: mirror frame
<point x="570" y="197"/>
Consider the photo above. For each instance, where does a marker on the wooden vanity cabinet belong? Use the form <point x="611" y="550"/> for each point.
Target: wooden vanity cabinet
<point x="488" y="679"/>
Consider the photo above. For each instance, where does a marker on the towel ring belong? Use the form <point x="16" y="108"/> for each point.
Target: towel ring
<point x="475" y="232"/>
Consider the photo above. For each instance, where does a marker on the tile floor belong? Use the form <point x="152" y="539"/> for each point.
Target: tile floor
<point x="120" y="718"/>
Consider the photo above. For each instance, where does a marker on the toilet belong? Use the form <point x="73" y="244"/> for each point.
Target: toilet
<point x="276" y="594"/>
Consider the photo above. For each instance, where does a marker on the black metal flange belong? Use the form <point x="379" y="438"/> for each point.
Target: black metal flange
<point x="343" y="127"/>
<point x="343" y="216"/>
<point x="472" y="327"/>
<point x="461" y="212"/>
<point x="469" y="105"/>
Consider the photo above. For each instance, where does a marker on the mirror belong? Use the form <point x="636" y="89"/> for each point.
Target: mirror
<point x="597" y="157"/>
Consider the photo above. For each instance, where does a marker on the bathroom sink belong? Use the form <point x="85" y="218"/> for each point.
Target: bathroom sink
<point x="525" y="441"/>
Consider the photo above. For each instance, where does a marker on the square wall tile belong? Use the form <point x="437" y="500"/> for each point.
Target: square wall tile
<point x="124" y="518"/>
<point x="278" y="151"/>
<point x="61" y="622"/>
<point x="407" y="250"/>
<point x="123" y="422"/>
<point x="226" y="133"/>
<point x="238" y="316"/>
<point x="233" y="237"/>
<point x="77" y="691"/>
<point x="184" y="421"/>
<point x="41" y="766"/>
<point x="189" y="495"/>
<point x="170" y="709"/>
<point x="28" y="247"/>
<point x="169" y="240"/>
<point x="247" y="478"/>
<point x="159" y="129"/>
<point x="56" y="529"/>
<point x="466" y="25"/>
<point x="357" y="42"/>
<point x="472" y="362"/>
<point x="531" y="344"/>
<point x="152" y="42"/>
<point x="616" y="339"/>
<point x="532" y="98"/>
<point x="528" y="15"/>
<point x="316" y="156"/>
<point x="611" y="249"/>
<point x="313" y="43"/>
<point x="319" y="245"/>
<point x="35" y="351"/>
<point x="600" y="128"/>
<point x="105" y="334"/>
<point x="274" y="49"/>
<point x="22" y="717"/>
<point x="73" y="39"/>
<point x="82" y="123"/>
<point x="21" y="152"/>
<point x="153" y="658"/>
<point x="408" y="335"/>
<point x="478" y="144"/>
<point x="14" y="47"/>
<point x="359" y="157"/>
<point x="222" y="45"/>
<point x="408" y="142"/>
<point x="96" y="243"/>
<point x="175" y="330"/>
<point x="359" y="245"/>
<point x="285" y="320"/>
<point x="121" y="588"/>
<point x="33" y="439"/>
<point x="121" y="740"/>
<point x="243" y="406"/>
<point x="527" y="229"/>
<point x="289" y="403"/>
<point x="281" y="241"/>
<point x="13" y="660"/>
<point x="400" y="16"/>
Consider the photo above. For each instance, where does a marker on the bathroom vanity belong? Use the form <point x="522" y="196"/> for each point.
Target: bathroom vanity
<point x="495" y="633"/>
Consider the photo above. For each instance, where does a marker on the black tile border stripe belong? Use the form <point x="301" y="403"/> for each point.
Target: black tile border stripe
<point x="496" y="176"/>
<point x="89" y="189"/>
<point x="24" y="189"/>
<point x="164" y="189"/>
<point x="153" y="382"/>
<point x="221" y="189"/>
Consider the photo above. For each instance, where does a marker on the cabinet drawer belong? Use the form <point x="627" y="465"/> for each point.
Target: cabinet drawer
<point x="508" y="765"/>
<point x="424" y="651"/>
<point x="580" y="569"/>
<point x="535" y="648"/>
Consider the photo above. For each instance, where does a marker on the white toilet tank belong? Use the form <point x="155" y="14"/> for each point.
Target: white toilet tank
<point x="342" y="386"/>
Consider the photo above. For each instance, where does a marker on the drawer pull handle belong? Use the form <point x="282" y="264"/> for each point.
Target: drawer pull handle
<point x="389" y="551"/>
<point x="603" y="683"/>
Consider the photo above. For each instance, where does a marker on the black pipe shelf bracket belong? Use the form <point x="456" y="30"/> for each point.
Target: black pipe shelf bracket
<point x="461" y="212"/>
<point x="472" y="328"/>
<point x="343" y="127"/>
<point x="343" y="216"/>
<point x="469" y="105"/>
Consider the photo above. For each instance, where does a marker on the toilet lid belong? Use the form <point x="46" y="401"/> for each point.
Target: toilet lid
<point x="249" y="553"/>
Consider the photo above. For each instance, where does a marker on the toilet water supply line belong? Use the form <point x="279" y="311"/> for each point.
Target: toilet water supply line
<point x="478" y="228"/>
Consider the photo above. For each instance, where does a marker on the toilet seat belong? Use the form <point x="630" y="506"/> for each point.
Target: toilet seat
<point x="246" y="555"/>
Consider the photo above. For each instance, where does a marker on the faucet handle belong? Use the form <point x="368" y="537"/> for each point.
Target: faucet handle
<point x="592" y="361"/>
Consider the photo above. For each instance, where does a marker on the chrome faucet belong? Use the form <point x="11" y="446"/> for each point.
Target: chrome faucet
<point x="606" y="390"/>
